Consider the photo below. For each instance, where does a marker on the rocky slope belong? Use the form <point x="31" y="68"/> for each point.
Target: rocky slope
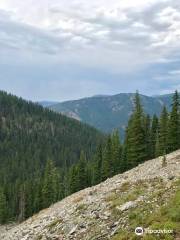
<point x="147" y="196"/>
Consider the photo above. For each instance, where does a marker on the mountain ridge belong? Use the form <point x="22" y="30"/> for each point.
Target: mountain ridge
<point x="107" y="113"/>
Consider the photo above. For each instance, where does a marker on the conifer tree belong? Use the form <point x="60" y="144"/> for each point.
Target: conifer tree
<point x="147" y="132"/>
<point x="81" y="172"/>
<point x="157" y="148"/>
<point x="37" y="202"/>
<point x="174" y="125"/>
<point x="107" y="164"/>
<point x="49" y="184"/>
<point x="73" y="182"/>
<point x="116" y="152"/>
<point x="154" y="135"/>
<point x="161" y="147"/>
<point x="135" y="139"/>
<point x="97" y="169"/>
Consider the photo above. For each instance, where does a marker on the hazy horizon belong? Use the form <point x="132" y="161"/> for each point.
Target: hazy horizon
<point x="76" y="99"/>
<point x="67" y="50"/>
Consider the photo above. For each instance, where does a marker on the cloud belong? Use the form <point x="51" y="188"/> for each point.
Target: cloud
<point x="119" y="39"/>
<point x="78" y="25"/>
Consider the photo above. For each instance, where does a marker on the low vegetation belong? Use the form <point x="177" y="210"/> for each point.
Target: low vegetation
<point x="156" y="212"/>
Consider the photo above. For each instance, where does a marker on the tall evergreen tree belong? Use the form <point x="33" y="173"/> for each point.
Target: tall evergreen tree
<point x="147" y="132"/>
<point x="37" y="200"/>
<point x="107" y="164"/>
<point x="49" y="184"/>
<point x="161" y="146"/>
<point x="22" y="203"/>
<point x="81" y="172"/>
<point x="135" y="139"/>
<point x="116" y="152"/>
<point x="72" y="178"/>
<point x="154" y="135"/>
<point x="97" y="168"/>
<point x="174" y="125"/>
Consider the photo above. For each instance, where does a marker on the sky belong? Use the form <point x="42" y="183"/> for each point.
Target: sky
<point x="63" y="50"/>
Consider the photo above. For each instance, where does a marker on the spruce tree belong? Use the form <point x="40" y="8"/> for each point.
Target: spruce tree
<point x="107" y="164"/>
<point x="81" y="172"/>
<point x="154" y="135"/>
<point x="97" y="168"/>
<point x="135" y="139"/>
<point x="147" y="131"/>
<point x="37" y="200"/>
<point x="161" y="147"/>
<point x="174" y="125"/>
<point x="49" y="184"/>
<point x="72" y="179"/>
<point x="116" y="152"/>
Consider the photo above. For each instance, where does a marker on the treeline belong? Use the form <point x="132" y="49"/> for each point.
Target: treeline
<point x="145" y="138"/>
<point x="49" y="181"/>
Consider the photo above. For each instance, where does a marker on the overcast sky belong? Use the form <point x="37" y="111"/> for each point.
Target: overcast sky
<point x="68" y="49"/>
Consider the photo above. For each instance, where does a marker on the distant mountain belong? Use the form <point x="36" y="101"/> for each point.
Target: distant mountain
<point x="47" y="103"/>
<point x="109" y="112"/>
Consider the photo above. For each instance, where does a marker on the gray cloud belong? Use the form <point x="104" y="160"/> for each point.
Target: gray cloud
<point x="94" y="41"/>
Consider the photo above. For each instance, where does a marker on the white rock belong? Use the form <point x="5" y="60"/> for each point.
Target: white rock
<point x="127" y="206"/>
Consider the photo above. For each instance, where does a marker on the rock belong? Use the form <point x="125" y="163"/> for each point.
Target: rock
<point x="82" y="225"/>
<point x="171" y="177"/>
<point x="96" y="214"/>
<point x="127" y="206"/>
<point x="114" y="225"/>
<point x="73" y="230"/>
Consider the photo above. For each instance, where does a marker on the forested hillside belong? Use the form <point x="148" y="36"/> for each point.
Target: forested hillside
<point x="31" y="138"/>
<point x="46" y="156"/>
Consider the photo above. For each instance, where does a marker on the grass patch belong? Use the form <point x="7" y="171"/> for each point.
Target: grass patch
<point x="39" y="237"/>
<point x="81" y="207"/>
<point x="118" y="200"/>
<point x="54" y="223"/>
<point x="125" y="187"/>
<point x="148" y="215"/>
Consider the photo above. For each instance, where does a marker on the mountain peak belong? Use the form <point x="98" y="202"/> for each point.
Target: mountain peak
<point x="107" y="113"/>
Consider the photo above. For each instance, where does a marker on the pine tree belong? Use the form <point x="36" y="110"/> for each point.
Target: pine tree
<point x="154" y="135"/>
<point x="37" y="200"/>
<point x="73" y="182"/>
<point x="147" y="131"/>
<point x="107" y="164"/>
<point x="97" y="169"/>
<point x="135" y="139"/>
<point x="161" y="147"/>
<point x="116" y="152"/>
<point x="157" y="148"/>
<point x="81" y="172"/>
<point x="49" y="184"/>
<point x="174" y="125"/>
<point x="3" y="207"/>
